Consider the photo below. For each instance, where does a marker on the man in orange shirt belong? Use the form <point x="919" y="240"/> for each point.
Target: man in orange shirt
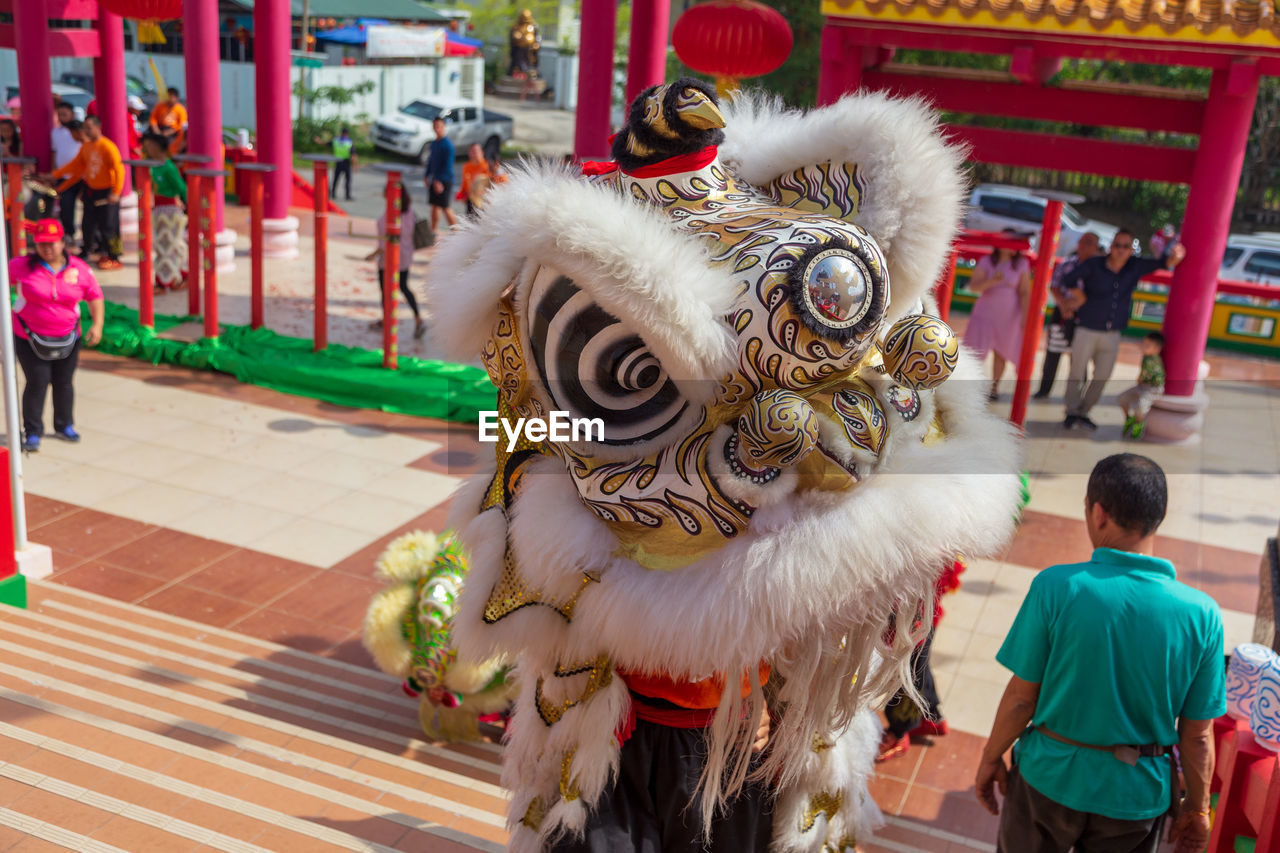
<point x="169" y="118"/>
<point x="98" y="164"/>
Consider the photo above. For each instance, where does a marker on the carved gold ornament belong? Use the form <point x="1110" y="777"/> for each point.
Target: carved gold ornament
<point x="777" y="429"/>
<point x="920" y="351"/>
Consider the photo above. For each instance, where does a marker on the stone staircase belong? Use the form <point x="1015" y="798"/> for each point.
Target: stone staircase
<point x="125" y="729"/>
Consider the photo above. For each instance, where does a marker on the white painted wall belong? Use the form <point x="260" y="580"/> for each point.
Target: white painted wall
<point x="451" y="76"/>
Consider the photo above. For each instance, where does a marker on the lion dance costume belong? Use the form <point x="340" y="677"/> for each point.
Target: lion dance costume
<point x="406" y="630"/>
<point x="791" y="451"/>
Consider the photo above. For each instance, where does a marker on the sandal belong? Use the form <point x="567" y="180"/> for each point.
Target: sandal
<point x="891" y="746"/>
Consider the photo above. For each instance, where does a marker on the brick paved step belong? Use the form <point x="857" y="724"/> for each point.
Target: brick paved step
<point x="126" y="729"/>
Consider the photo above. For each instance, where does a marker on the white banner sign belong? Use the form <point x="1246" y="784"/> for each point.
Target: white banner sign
<point x="389" y="42"/>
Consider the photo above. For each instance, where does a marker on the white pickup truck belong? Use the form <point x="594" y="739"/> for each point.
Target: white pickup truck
<point x="407" y="131"/>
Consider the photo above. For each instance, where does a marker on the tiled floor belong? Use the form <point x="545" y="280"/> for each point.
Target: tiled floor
<point x="250" y="510"/>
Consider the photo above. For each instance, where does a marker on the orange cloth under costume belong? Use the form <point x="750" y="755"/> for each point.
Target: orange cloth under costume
<point x="703" y="694"/>
<point x="98" y="164"/>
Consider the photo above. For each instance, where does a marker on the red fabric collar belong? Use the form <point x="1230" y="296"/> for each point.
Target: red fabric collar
<point x="670" y="166"/>
<point x="675" y="165"/>
<point x="598" y="167"/>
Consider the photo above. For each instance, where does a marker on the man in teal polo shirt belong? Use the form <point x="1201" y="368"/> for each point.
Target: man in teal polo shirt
<point x="1114" y="662"/>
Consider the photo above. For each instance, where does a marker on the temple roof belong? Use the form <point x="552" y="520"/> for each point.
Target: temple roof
<point x="1240" y="23"/>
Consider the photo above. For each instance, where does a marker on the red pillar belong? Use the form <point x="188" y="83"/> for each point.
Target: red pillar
<point x="1214" y="181"/>
<point x="647" y="58"/>
<point x="1034" y="322"/>
<point x="109" y="88"/>
<point x="203" y="95"/>
<point x="840" y="69"/>
<point x="947" y="285"/>
<point x="272" y="28"/>
<point x="595" y="79"/>
<point x="35" y="82"/>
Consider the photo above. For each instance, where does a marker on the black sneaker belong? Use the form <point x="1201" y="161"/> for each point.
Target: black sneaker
<point x="1070" y="422"/>
<point x="1087" y="424"/>
<point x="1040" y="395"/>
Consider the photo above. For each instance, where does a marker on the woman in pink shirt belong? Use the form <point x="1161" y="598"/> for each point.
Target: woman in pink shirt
<point x="51" y="284"/>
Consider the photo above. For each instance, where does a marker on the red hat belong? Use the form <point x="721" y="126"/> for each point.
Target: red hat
<point x="47" y="231"/>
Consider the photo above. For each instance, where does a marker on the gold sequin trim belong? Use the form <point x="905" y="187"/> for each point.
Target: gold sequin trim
<point x="821" y="803"/>
<point x="599" y="677"/>
<point x="847" y="844"/>
<point x="511" y="593"/>
<point x="820" y="744"/>
<point x="535" y="814"/>
<point x="568" y="789"/>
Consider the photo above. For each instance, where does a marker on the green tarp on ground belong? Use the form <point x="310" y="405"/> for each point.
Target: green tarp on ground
<point x="340" y="374"/>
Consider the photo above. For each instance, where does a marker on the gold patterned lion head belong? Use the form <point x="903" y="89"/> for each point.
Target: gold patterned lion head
<point x="745" y="328"/>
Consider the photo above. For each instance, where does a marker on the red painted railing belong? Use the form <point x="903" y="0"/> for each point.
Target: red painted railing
<point x="1247" y="780"/>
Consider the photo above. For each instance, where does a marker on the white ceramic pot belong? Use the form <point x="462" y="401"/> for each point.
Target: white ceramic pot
<point x="1247" y="664"/>
<point x="1264" y="717"/>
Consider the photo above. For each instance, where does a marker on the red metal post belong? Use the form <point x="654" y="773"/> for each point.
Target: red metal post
<point x="1036" y="301"/>
<point x="391" y="269"/>
<point x="320" y="178"/>
<point x="209" y="222"/>
<point x="256" y="181"/>
<point x="18" y="238"/>
<point x="8" y="564"/>
<point x="195" y="198"/>
<point x="947" y="285"/>
<point x="146" y="274"/>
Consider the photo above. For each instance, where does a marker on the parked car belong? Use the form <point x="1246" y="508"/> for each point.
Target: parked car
<point x="133" y="86"/>
<point x="995" y="207"/>
<point x="1253" y="258"/>
<point x="408" y="130"/>
<point x="74" y="95"/>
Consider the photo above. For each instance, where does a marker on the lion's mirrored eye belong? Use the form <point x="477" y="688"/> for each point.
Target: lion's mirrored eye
<point x="838" y="288"/>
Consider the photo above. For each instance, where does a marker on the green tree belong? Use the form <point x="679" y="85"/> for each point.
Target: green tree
<point x="315" y="134"/>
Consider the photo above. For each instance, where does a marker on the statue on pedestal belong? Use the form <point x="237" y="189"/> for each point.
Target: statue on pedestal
<point x="522" y="73"/>
<point x="524" y="42"/>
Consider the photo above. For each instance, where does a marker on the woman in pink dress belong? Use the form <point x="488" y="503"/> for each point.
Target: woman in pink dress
<point x="1003" y="282"/>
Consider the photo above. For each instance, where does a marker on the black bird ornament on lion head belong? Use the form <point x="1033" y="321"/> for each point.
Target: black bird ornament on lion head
<point x="790" y="453"/>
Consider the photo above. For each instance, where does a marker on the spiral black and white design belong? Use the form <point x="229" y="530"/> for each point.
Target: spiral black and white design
<point x="593" y="366"/>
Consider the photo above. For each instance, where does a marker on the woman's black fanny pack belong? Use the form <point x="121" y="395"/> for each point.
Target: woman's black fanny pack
<point x="49" y="348"/>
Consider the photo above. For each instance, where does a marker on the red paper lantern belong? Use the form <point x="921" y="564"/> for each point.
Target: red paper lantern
<point x="144" y="10"/>
<point x="732" y="38"/>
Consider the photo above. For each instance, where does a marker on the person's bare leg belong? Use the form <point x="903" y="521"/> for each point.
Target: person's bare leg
<point x="435" y="217"/>
<point x="997" y="371"/>
<point x="448" y="215"/>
